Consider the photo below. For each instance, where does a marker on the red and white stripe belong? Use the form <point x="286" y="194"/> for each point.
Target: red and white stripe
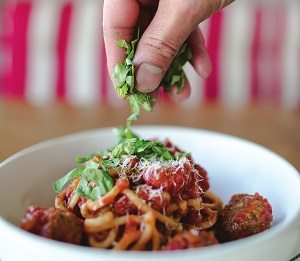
<point x="53" y="50"/>
<point x="83" y="54"/>
<point x="291" y="57"/>
<point x="235" y="56"/>
<point x="42" y="66"/>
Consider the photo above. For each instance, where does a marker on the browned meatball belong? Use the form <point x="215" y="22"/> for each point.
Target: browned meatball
<point x="243" y="216"/>
<point x="155" y="198"/>
<point x="123" y="206"/>
<point x="53" y="223"/>
<point x="172" y="179"/>
<point x="188" y="239"/>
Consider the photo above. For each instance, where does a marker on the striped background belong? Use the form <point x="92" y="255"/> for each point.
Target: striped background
<point x="51" y="49"/>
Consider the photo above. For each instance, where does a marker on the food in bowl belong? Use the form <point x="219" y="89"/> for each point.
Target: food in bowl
<point x="242" y="167"/>
<point x="144" y="195"/>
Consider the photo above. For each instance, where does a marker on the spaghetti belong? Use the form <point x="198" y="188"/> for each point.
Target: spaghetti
<point x="151" y="201"/>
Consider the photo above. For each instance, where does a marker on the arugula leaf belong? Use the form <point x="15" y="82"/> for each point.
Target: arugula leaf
<point x="59" y="184"/>
<point x="94" y="182"/>
<point x="84" y="190"/>
<point x="102" y="183"/>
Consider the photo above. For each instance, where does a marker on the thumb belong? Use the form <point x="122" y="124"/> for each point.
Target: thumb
<point x="172" y="24"/>
<point x="170" y="27"/>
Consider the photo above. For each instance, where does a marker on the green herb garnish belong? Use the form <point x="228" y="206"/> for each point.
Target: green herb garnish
<point x="125" y="79"/>
<point x="59" y="184"/>
<point x="94" y="182"/>
<point x="175" y="73"/>
<point x="141" y="148"/>
<point x="180" y="155"/>
<point x="94" y="178"/>
<point x="125" y="133"/>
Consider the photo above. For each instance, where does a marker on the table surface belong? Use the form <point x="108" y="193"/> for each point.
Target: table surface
<point x="22" y="125"/>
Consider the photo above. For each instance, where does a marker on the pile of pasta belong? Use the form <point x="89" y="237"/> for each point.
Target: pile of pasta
<point x="151" y="202"/>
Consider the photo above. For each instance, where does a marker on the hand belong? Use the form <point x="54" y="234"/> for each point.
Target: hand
<point x="166" y="25"/>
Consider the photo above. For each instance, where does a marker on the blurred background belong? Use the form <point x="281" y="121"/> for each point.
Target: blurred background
<point x="53" y="50"/>
<point x="53" y="76"/>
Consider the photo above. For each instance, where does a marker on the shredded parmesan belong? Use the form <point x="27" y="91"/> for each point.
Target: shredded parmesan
<point x="153" y="166"/>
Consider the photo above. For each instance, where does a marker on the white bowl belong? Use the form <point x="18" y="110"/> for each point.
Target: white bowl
<point x="234" y="166"/>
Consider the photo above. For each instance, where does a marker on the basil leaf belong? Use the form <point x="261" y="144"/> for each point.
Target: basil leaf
<point x="93" y="183"/>
<point x="124" y="133"/>
<point x="92" y="165"/>
<point x="124" y="80"/>
<point x="120" y="74"/>
<point x="60" y="183"/>
<point x="102" y="183"/>
<point x="123" y="44"/>
<point x="109" y="163"/>
<point x="85" y="191"/>
<point x="108" y="180"/>
<point x="141" y="148"/>
<point x="124" y="77"/>
<point x="175" y="73"/>
<point x="81" y="159"/>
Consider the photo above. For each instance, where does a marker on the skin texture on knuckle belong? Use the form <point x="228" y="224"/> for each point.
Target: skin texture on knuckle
<point x="164" y="49"/>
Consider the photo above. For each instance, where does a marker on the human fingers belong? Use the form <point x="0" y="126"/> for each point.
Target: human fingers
<point x="183" y="95"/>
<point x="173" y="22"/>
<point x="119" y="22"/>
<point x="201" y="60"/>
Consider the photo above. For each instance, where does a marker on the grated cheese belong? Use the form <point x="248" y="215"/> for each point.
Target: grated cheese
<point x="153" y="166"/>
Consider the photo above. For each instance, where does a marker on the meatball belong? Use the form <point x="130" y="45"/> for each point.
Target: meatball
<point x="193" y="239"/>
<point x="172" y="179"/>
<point x="123" y="206"/>
<point x="243" y="216"/>
<point x="198" y="183"/>
<point x="155" y="198"/>
<point x="54" y="224"/>
<point x="203" y="182"/>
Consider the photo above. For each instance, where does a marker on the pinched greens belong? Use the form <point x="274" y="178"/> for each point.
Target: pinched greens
<point x="124" y="81"/>
<point x="175" y="74"/>
<point x="124" y="77"/>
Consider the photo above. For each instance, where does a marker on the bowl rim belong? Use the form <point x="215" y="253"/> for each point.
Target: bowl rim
<point x="206" y="251"/>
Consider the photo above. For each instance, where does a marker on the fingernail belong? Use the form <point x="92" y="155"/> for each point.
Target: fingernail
<point x="148" y="77"/>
